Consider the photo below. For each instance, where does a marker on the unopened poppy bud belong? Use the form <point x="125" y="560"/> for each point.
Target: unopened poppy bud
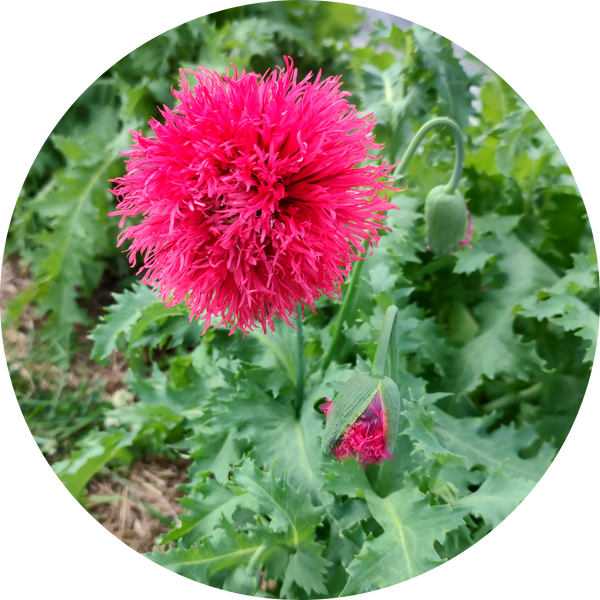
<point x="446" y="220"/>
<point x="362" y="420"/>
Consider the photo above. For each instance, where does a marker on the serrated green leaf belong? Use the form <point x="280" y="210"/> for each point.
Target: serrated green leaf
<point x="282" y="346"/>
<point x="466" y="438"/>
<point x="422" y="336"/>
<point x="497" y="497"/>
<point x="226" y="548"/>
<point x="120" y="318"/>
<point x="328" y="384"/>
<point x="342" y="545"/>
<point x="472" y="259"/>
<point x="347" y="514"/>
<point x="307" y="569"/>
<point x="345" y="478"/>
<point x="190" y="395"/>
<point x="496" y="349"/>
<point x="76" y="471"/>
<point x="277" y="434"/>
<point x="584" y="273"/>
<point x="577" y="316"/>
<point x="130" y="317"/>
<point x="559" y="304"/>
<point x="451" y="81"/>
<point x="381" y="278"/>
<point x="421" y="431"/>
<point x="406" y="547"/>
<point x="495" y="223"/>
<point x="400" y="246"/>
<point x="206" y="506"/>
<point x="214" y="450"/>
<point x="156" y="312"/>
<point x="290" y="510"/>
<point x="498" y="100"/>
<point x="383" y="93"/>
<point x="512" y="137"/>
<point x="74" y="204"/>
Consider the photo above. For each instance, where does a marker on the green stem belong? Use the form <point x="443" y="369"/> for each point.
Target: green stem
<point x="255" y="558"/>
<point x="346" y="304"/>
<point x="394" y="358"/>
<point x="388" y="331"/>
<point x="505" y="401"/>
<point x="299" y="362"/>
<point x="459" y="160"/>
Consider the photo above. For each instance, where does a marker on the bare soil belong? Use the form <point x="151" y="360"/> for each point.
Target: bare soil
<point x="125" y="505"/>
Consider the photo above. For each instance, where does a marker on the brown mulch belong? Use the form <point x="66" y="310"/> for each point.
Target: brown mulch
<point x="114" y="502"/>
<point x="125" y="503"/>
<point x="18" y="340"/>
<point x="151" y="481"/>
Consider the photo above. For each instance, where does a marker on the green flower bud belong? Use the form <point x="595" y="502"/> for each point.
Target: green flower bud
<point x="446" y="220"/>
<point x="240" y="582"/>
<point x="362" y="420"/>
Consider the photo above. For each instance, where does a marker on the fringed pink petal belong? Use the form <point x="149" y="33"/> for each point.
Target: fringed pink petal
<point x="251" y="196"/>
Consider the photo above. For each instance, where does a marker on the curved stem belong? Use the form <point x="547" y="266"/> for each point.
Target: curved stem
<point x="346" y="304"/>
<point x="388" y="331"/>
<point x="299" y="361"/>
<point x="510" y="399"/>
<point x="459" y="160"/>
<point x="255" y="558"/>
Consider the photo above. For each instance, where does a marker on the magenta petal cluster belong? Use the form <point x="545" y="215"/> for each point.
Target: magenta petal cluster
<point x="365" y="438"/>
<point x="251" y="196"/>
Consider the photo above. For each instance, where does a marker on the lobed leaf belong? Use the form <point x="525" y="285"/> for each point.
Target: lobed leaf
<point x="560" y="304"/>
<point x="225" y="549"/>
<point x="406" y="548"/>
<point x="206" y="506"/>
<point x="496" y="349"/>
<point x="497" y="497"/>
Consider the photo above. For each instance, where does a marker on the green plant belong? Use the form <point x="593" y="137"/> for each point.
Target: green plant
<point x="494" y="345"/>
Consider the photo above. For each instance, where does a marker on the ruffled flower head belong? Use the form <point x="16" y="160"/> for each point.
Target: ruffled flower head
<point x="251" y="196"/>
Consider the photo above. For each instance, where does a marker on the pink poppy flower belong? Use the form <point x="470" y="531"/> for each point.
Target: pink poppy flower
<point x="365" y="438"/>
<point x="251" y="196"/>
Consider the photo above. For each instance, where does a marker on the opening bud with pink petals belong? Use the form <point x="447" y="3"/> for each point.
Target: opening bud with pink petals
<point x="362" y="420"/>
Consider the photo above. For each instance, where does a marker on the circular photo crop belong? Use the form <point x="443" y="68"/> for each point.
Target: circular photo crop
<point x="300" y="300"/>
